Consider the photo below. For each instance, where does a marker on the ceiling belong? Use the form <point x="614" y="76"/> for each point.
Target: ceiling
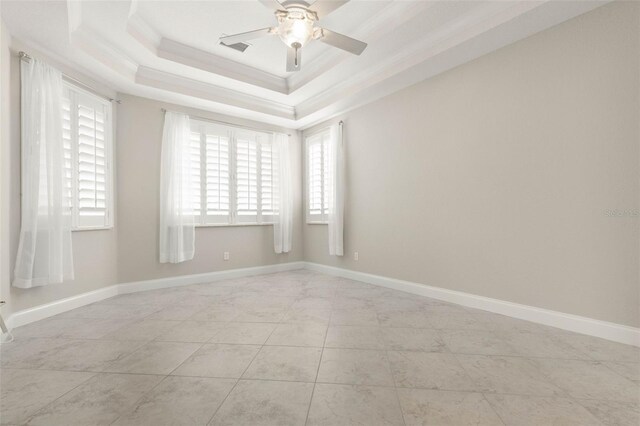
<point x="168" y="50"/>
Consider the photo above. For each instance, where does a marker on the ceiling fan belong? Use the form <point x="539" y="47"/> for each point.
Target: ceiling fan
<point x="297" y="26"/>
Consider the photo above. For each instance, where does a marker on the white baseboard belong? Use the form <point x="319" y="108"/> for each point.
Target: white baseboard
<point x="47" y="310"/>
<point x="606" y="330"/>
<point x="603" y="329"/>
<point x="37" y="313"/>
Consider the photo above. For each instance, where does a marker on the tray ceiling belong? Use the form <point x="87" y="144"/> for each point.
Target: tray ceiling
<point x="168" y="50"/>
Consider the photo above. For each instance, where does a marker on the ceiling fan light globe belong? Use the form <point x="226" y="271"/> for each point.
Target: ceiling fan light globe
<point x="295" y="27"/>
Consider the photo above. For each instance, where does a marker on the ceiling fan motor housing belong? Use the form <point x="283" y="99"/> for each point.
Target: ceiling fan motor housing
<point x="295" y="26"/>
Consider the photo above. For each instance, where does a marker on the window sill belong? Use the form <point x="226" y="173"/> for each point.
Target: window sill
<point x="309" y="222"/>
<point x="96" y="228"/>
<point x="228" y="225"/>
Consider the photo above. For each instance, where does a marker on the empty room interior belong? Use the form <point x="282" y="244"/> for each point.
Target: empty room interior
<point x="320" y="212"/>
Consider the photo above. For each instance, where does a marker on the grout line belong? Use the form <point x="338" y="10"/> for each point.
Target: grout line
<point x="493" y="408"/>
<point x="324" y="343"/>
<point x="30" y="416"/>
<point x="239" y="378"/>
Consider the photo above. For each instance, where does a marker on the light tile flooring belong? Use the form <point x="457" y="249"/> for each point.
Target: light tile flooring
<point x="301" y="348"/>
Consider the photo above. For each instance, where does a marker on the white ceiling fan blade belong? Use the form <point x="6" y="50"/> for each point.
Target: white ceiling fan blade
<point x="342" y="42"/>
<point x="272" y="4"/>
<point x="324" y="7"/>
<point x="293" y="59"/>
<point x="249" y="35"/>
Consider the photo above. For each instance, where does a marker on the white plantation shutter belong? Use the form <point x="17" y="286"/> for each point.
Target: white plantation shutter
<point x="237" y="174"/>
<point x="317" y="177"/>
<point x="194" y="167"/>
<point x="269" y="181"/>
<point x="68" y="152"/>
<point x="86" y="131"/>
<point x="247" y="177"/>
<point x="218" y="180"/>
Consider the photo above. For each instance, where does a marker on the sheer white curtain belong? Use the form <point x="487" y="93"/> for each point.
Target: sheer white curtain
<point x="177" y="221"/>
<point x="336" y="190"/>
<point x="44" y="251"/>
<point x="282" y="228"/>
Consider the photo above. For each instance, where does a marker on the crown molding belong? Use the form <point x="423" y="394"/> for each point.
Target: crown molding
<point x="196" y="58"/>
<point x="186" y="86"/>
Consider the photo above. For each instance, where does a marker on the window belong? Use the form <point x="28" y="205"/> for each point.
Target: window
<point x="317" y="151"/>
<point x="234" y="175"/>
<point x="86" y="131"/>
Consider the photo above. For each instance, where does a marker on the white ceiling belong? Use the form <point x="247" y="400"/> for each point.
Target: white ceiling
<point x="168" y="50"/>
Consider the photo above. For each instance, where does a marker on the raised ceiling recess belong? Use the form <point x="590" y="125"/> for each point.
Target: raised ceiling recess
<point x="172" y="50"/>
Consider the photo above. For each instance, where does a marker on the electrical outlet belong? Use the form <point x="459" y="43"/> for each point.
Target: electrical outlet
<point x="355" y="255"/>
<point x="225" y="255"/>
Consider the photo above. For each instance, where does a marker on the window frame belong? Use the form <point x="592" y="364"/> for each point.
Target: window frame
<point x="232" y="132"/>
<point x="322" y="218"/>
<point x="73" y="91"/>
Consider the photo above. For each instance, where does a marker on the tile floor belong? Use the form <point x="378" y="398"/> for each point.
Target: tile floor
<point x="301" y="348"/>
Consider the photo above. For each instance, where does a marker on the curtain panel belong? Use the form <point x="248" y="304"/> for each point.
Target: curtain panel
<point x="44" y="251"/>
<point x="283" y="226"/>
<point x="177" y="220"/>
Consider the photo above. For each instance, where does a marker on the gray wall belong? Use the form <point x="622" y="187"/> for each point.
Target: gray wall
<point x="495" y="178"/>
<point x="139" y="138"/>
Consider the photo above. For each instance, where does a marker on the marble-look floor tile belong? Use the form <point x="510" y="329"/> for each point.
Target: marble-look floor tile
<point x="50" y="327"/>
<point x="312" y="303"/>
<point x="454" y="321"/>
<point x="23" y="392"/>
<point x="306" y="334"/>
<point x="589" y="380"/>
<point x="296" y="364"/>
<point x="542" y="345"/>
<point x="218" y="360"/>
<point x="413" y="339"/>
<point x="600" y="349"/>
<point x="629" y="370"/>
<point x="401" y="318"/>
<point x="249" y="333"/>
<point x="362" y="317"/>
<point x="354" y="405"/>
<point x="355" y="337"/>
<point x="429" y="370"/>
<point x="612" y="413"/>
<point x="218" y="314"/>
<point x="180" y="312"/>
<point x="498" y="322"/>
<point x="144" y="330"/>
<point x="78" y="328"/>
<point x="260" y="315"/>
<point x="178" y="401"/>
<point x="516" y="375"/>
<point x="446" y="408"/>
<point x="106" y="311"/>
<point x="98" y="401"/>
<point x="318" y="316"/>
<point x="154" y="358"/>
<point x="86" y="355"/>
<point x="476" y="342"/>
<point x="28" y="353"/>
<point x="523" y="410"/>
<point x="191" y="331"/>
<point x="263" y="402"/>
<point x="355" y="366"/>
